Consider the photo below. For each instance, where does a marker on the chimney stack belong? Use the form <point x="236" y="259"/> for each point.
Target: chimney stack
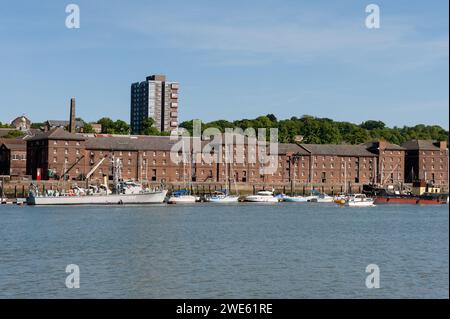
<point x="72" y="116"/>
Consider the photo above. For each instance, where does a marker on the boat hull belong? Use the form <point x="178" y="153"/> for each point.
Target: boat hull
<point x="186" y="199"/>
<point x="228" y="199"/>
<point x="261" y="199"/>
<point x="295" y="199"/>
<point x="146" y="198"/>
<point x="360" y="204"/>
<point x="408" y="200"/>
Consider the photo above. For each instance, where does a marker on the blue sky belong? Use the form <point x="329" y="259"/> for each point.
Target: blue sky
<point x="233" y="59"/>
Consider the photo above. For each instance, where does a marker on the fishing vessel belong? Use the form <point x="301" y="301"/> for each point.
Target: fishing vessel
<point x="262" y="197"/>
<point x="124" y="192"/>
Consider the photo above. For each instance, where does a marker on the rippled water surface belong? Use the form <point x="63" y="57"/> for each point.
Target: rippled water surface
<point x="285" y="250"/>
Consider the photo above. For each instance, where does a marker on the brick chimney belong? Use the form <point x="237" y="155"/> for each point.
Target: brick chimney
<point x="382" y="145"/>
<point x="443" y="145"/>
<point x="72" y="116"/>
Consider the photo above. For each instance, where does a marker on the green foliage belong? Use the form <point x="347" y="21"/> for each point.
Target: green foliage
<point x="114" y="127"/>
<point x="4" y="125"/>
<point x="88" y="128"/>
<point x="326" y="131"/>
<point x="36" y="125"/>
<point x="14" y="134"/>
<point x="148" y="127"/>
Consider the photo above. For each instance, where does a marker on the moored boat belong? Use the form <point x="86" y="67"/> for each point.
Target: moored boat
<point x="359" y="200"/>
<point x="222" y="197"/>
<point x="262" y="197"/>
<point x="182" y="196"/>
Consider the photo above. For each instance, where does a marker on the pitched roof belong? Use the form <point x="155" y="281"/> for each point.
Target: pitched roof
<point x="421" y="145"/>
<point x="389" y="146"/>
<point x="129" y="143"/>
<point x="57" y="133"/>
<point x="14" y="144"/>
<point x="284" y="148"/>
<point x="337" y="149"/>
<point x="55" y="123"/>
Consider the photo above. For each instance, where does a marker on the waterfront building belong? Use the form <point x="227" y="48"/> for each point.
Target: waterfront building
<point x="390" y="162"/>
<point x="426" y="161"/>
<point x="13" y="157"/>
<point x="340" y="164"/>
<point x="154" y="98"/>
<point x="58" y="153"/>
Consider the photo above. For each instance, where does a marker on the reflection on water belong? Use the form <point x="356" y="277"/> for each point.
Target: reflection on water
<point x="224" y="251"/>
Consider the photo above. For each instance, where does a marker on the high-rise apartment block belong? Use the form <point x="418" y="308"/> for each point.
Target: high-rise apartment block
<point x="154" y="98"/>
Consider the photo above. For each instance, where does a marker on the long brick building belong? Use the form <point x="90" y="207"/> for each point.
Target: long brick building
<point x="149" y="158"/>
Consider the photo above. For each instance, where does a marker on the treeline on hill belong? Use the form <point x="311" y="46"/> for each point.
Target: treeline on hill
<point x="326" y="131"/>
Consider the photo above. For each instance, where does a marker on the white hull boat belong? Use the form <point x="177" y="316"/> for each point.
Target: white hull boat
<point x="183" y="199"/>
<point x="262" y="197"/>
<point x="222" y="198"/>
<point x="156" y="197"/>
<point x="295" y="199"/>
<point x="359" y="200"/>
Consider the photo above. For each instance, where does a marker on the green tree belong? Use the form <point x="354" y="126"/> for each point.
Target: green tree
<point x="14" y="134"/>
<point x="148" y="127"/>
<point x="121" y="127"/>
<point x="107" y="125"/>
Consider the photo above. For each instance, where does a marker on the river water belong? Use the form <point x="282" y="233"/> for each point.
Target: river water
<point x="286" y="250"/>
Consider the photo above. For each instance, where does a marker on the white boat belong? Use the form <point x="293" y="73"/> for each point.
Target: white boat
<point x="222" y="197"/>
<point x="359" y="200"/>
<point x="295" y="199"/>
<point x="262" y="197"/>
<point x="182" y="196"/>
<point x="144" y="197"/>
<point x="320" y="198"/>
<point x="124" y="192"/>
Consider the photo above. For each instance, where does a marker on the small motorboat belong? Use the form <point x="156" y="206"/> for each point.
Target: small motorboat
<point x="322" y="198"/>
<point x="340" y="198"/>
<point x="262" y="197"/>
<point x="359" y="200"/>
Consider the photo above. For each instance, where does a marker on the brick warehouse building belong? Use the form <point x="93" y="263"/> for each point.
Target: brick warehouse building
<point x="426" y="161"/>
<point x="390" y="167"/>
<point x="13" y="157"/>
<point x="148" y="158"/>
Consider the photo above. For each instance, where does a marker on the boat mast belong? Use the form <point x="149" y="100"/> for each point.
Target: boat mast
<point x="345" y="176"/>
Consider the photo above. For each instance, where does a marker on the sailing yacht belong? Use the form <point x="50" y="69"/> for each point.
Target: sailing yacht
<point x="224" y="196"/>
<point x="183" y="196"/>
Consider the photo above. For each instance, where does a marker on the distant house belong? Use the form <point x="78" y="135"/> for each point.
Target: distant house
<point x="21" y="123"/>
<point x="96" y="127"/>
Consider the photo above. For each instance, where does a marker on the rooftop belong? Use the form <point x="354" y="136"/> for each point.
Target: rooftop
<point x="425" y="145"/>
<point x="57" y="133"/>
<point x="339" y="149"/>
